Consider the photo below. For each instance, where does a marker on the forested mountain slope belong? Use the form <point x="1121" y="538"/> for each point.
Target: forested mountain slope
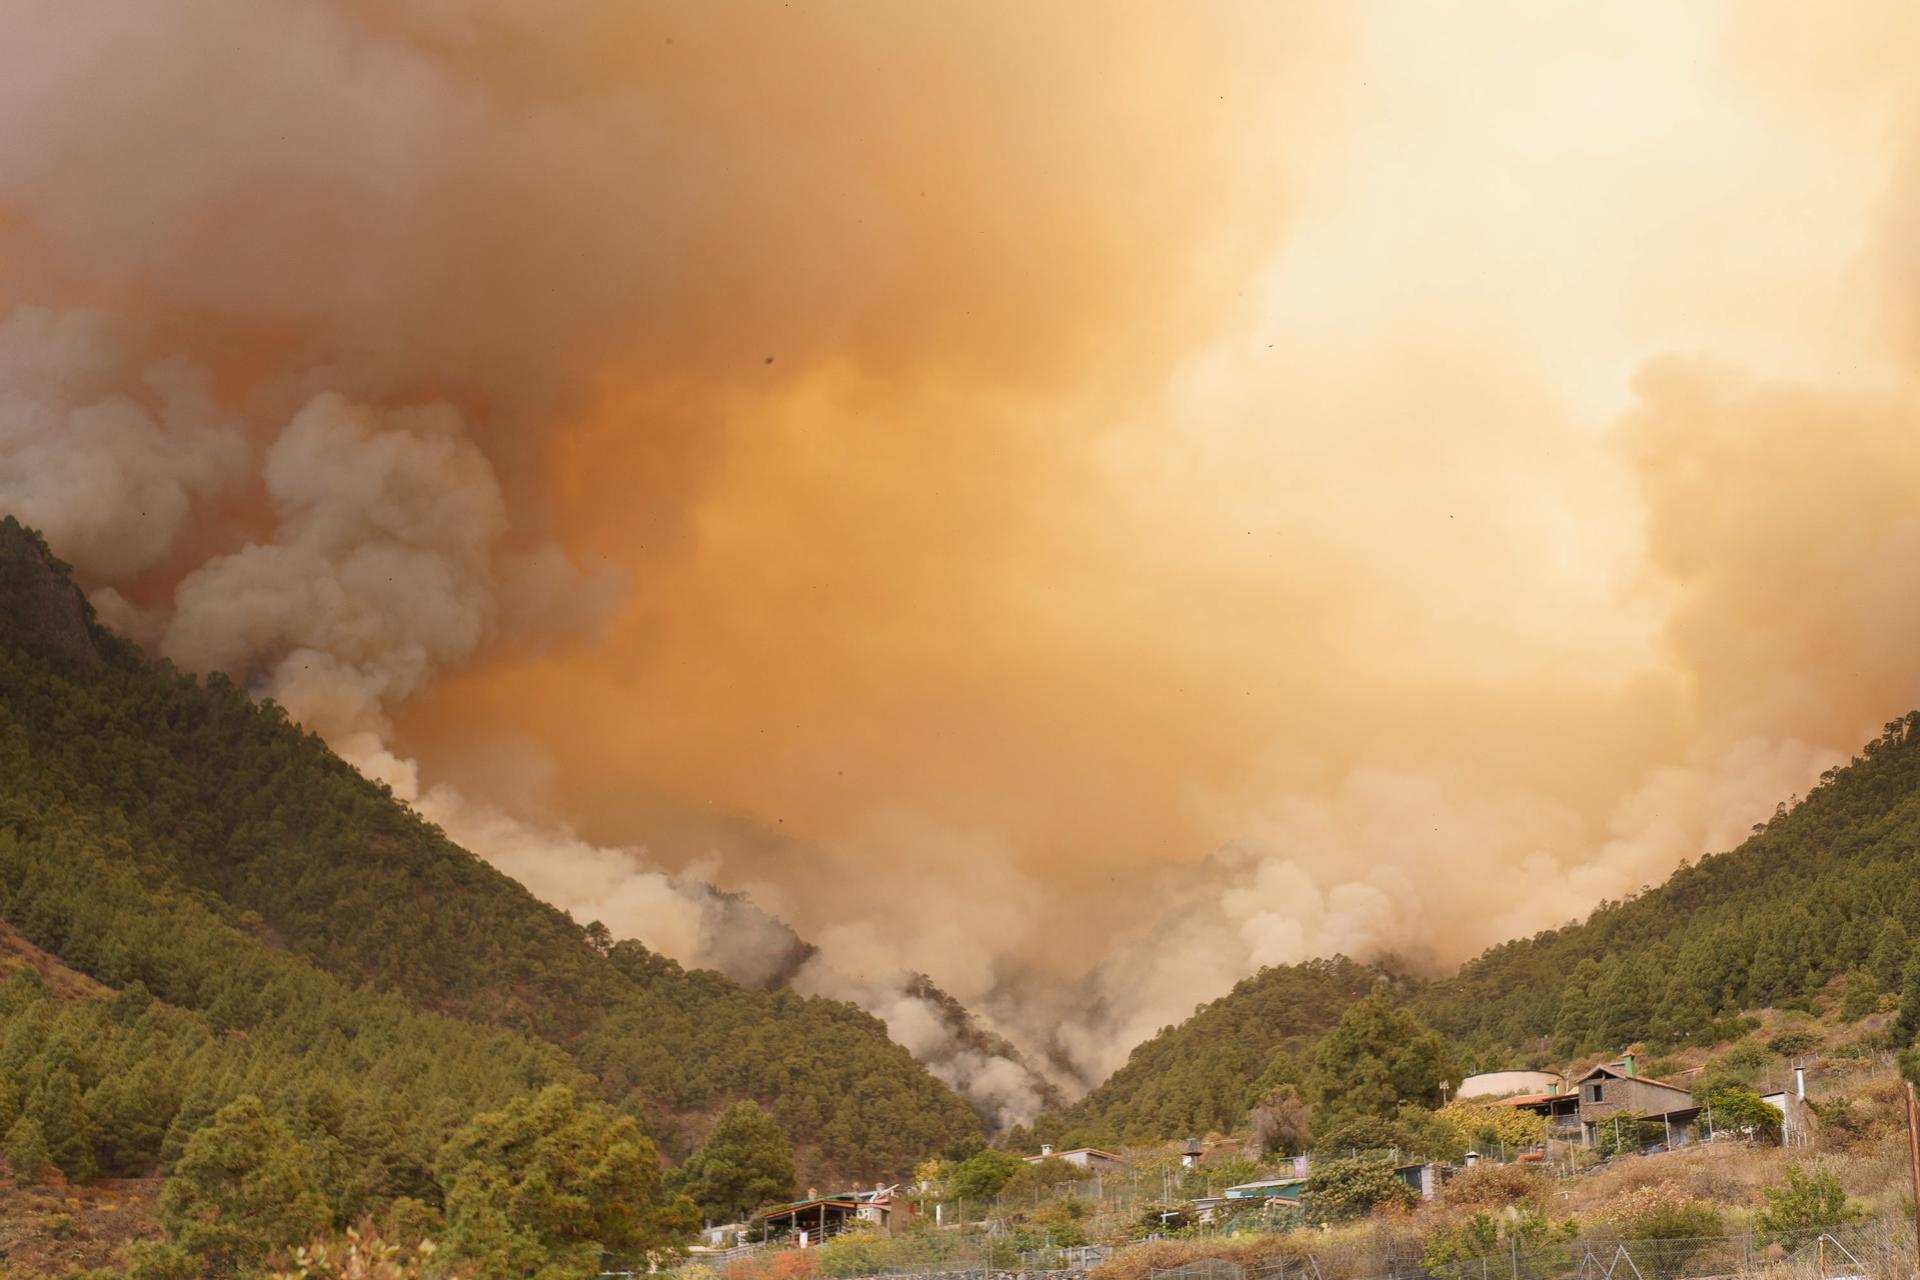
<point x="1829" y="887"/>
<point x="274" y="923"/>
<point x="1202" y="1075"/>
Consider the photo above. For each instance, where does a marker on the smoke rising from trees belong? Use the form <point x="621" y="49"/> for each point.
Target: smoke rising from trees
<point x="1025" y="501"/>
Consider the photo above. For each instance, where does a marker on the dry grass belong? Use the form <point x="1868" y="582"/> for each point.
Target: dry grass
<point x="56" y="1229"/>
<point x="1730" y="1174"/>
<point x="1350" y="1251"/>
<point x="1494" y="1186"/>
<point x="70" y="985"/>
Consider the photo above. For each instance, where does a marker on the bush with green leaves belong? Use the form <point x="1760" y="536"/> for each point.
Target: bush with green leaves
<point x="1525" y="1230"/>
<point x="982" y="1175"/>
<point x="1734" y="1108"/>
<point x="1794" y="1042"/>
<point x="1807" y="1202"/>
<point x="1350" y="1188"/>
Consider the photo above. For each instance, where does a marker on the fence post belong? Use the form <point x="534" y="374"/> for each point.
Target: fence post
<point x="1513" y="1248"/>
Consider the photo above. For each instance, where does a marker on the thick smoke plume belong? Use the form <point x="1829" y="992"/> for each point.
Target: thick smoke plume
<point x="1076" y="509"/>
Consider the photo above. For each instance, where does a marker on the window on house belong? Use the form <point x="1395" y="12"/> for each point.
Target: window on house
<point x="1593" y="1093"/>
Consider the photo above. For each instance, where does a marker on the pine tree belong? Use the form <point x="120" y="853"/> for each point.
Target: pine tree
<point x="745" y="1164"/>
<point x="61" y="1112"/>
<point x="1888" y="963"/>
<point x="26" y="1151"/>
<point x="241" y="1190"/>
<point x="1573" y="1025"/>
<point x="1861" y="998"/>
<point x="1376" y="1058"/>
<point x="1906" y="1024"/>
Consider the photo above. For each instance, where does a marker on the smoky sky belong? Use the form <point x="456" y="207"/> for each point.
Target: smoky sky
<point x="1078" y="503"/>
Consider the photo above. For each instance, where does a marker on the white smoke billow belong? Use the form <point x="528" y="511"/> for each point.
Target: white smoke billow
<point x="106" y="457"/>
<point x="385" y="567"/>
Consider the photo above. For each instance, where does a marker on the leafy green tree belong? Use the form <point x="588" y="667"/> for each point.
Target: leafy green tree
<point x="1733" y="1107"/>
<point x="1357" y="1134"/>
<point x="746" y="1162"/>
<point x="1350" y="1188"/>
<point x="240" y="1191"/>
<point x="1805" y="1203"/>
<point x="982" y="1175"/>
<point x="1376" y="1058"/>
<point x="551" y="1182"/>
<point x="26" y="1151"/>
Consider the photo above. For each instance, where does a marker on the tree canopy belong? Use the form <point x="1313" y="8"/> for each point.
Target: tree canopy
<point x="745" y="1164"/>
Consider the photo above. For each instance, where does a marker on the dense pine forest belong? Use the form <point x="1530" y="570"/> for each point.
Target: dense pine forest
<point x="291" y="959"/>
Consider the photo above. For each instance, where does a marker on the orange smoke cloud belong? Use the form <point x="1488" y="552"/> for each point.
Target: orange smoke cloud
<point x="1313" y="480"/>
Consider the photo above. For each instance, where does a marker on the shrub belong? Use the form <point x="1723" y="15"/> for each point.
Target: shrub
<point x="1477" y="1237"/>
<point x="1790" y="1044"/>
<point x="1687" y="1220"/>
<point x="1661" y="1211"/>
<point x="1805" y="1203"/>
<point x="360" y="1256"/>
<point x="1341" y="1189"/>
<point x="1525" y="1231"/>
<point x="1494" y="1186"/>
<point x="1745" y="1059"/>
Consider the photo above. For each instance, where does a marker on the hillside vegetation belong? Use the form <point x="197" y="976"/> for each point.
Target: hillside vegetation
<point x="1821" y="901"/>
<point x="206" y="908"/>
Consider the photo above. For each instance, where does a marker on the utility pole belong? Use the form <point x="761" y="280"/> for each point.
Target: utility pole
<point x="1913" y="1150"/>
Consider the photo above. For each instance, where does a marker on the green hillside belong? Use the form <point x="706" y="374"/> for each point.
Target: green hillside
<point x="272" y="924"/>
<point x="1204" y="1074"/>
<point x="1824" y="891"/>
<point x="1826" y="888"/>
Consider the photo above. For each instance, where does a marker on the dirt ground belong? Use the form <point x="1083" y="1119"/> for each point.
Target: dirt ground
<point x="55" y="1230"/>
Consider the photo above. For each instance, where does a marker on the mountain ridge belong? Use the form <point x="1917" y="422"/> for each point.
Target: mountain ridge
<point x="1822" y="892"/>
<point x="195" y="790"/>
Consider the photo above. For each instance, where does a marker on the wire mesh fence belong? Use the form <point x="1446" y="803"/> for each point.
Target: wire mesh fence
<point x="1879" y="1249"/>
